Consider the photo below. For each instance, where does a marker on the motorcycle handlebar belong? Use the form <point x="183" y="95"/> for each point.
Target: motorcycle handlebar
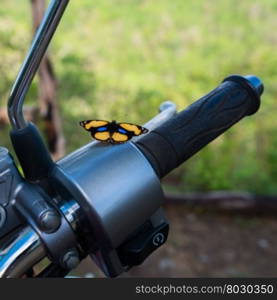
<point x="172" y="140"/>
<point x="176" y="140"/>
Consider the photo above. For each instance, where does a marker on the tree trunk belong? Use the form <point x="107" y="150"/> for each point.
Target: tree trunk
<point x="48" y="93"/>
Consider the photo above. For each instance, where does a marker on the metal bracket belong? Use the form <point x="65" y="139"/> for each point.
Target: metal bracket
<point x="49" y="225"/>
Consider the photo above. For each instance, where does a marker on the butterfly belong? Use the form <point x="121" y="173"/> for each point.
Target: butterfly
<point x="112" y="132"/>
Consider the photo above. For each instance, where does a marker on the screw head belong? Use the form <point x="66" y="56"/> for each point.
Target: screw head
<point x="71" y="259"/>
<point x="50" y="221"/>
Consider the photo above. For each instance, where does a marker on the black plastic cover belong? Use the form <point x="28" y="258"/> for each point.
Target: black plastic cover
<point x="137" y="249"/>
<point x="32" y="153"/>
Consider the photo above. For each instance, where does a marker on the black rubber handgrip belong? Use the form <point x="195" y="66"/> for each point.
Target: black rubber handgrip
<point x="32" y="153"/>
<point x="169" y="145"/>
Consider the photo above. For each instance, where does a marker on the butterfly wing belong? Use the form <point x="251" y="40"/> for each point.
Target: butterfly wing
<point x="102" y="136"/>
<point x="115" y="133"/>
<point x="99" y="129"/>
<point x="118" y="138"/>
<point x="132" y="128"/>
<point x="93" y="124"/>
<point x="125" y="131"/>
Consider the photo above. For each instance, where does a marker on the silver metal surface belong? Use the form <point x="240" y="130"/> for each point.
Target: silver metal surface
<point x="70" y="210"/>
<point x="4" y="153"/>
<point x="2" y="215"/>
<point x="19" y="253"/>
<point x="30" y="66"/>
<point x="167" y="110"/>
<point x="256" y="83"/>
<point x="9" y="177"/>
<point x="119" y="185"/>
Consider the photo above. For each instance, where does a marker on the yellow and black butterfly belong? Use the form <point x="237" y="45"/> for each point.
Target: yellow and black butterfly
<point x="112" y="132"/>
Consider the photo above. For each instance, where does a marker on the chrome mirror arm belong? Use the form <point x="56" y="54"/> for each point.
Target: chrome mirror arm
<point x="32" y="61"/>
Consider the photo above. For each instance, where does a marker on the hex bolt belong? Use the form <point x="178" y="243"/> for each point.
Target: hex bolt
<point x="50" y="221"/>
<point x="71" y="259"/>
<point x="2" y="216"/>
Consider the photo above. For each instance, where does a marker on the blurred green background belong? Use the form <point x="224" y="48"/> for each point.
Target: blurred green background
<point x="120" y="59"/>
